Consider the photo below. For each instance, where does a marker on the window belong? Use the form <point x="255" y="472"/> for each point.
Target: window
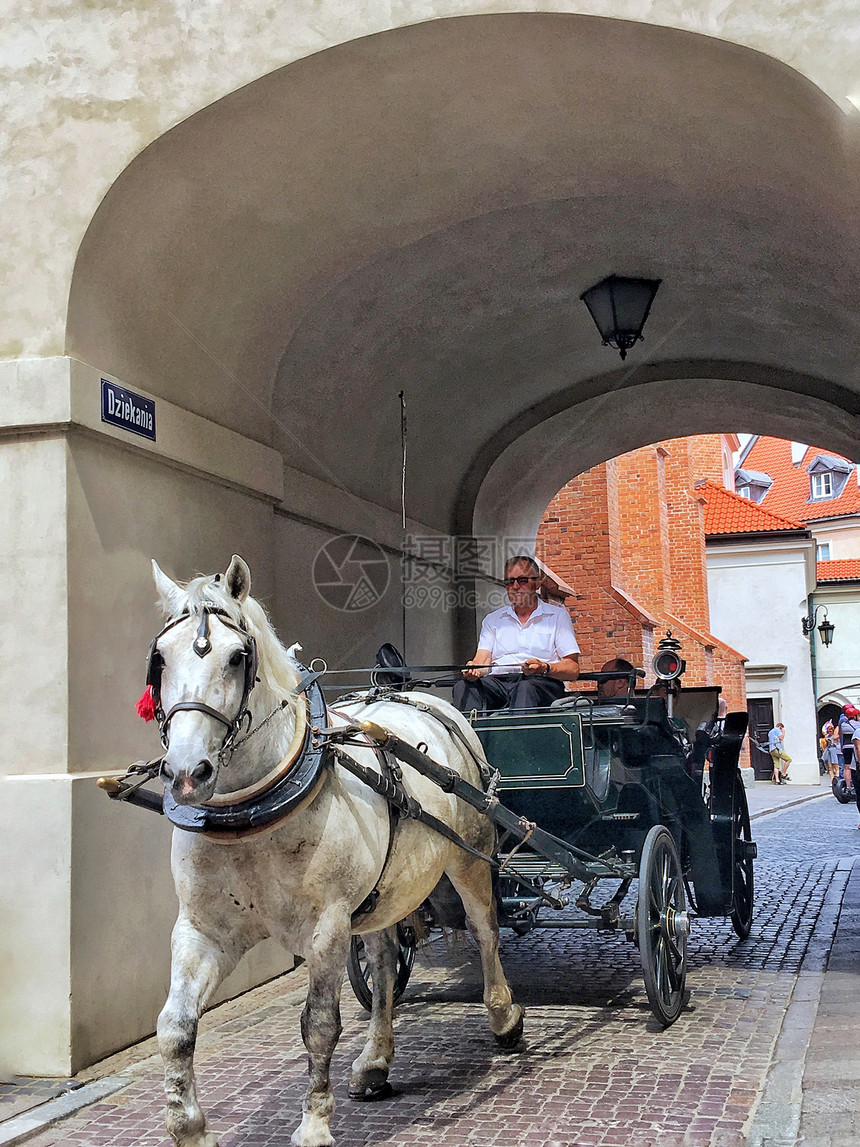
<point x="822" y="485"/>
<point x="822" y="552"/>
<point x="744" y="491"/>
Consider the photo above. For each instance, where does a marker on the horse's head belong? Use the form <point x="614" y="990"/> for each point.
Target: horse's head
<point x="202" y="668"/>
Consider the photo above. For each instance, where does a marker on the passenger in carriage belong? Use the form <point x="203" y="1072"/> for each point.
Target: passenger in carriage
<point x="618" y="686"/>
<point x="527" y="649"/>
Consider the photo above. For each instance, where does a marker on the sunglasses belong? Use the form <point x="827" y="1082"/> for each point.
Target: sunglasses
<point x="520" y="580"/>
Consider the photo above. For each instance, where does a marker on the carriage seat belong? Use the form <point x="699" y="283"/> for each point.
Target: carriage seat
<point x="597" y="709"/>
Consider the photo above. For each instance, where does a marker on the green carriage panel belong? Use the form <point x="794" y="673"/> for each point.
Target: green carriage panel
<point x="534" y="750"/>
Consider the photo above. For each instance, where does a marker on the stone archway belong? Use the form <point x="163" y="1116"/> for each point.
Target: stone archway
<point x="416" y="210"/>
<point x="420" y="210"/>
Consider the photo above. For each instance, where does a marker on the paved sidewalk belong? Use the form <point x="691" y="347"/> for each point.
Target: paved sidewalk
<point x="765" y="797"/>
<point x="761" y="1057"/>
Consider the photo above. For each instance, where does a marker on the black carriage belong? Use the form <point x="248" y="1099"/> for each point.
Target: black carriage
<point x="641" y="787"/>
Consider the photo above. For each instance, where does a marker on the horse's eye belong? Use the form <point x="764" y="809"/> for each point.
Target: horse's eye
<point x="237" y="657"/>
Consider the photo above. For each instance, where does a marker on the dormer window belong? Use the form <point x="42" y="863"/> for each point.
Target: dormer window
<point x="827" y="477"/>
<point x="752" y="484"/>
<point x="822" y="485"/>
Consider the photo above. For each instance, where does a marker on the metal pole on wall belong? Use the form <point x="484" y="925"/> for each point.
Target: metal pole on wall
<point x="404" y="558"/>
<point x="812" y="661"/>
<point x="810" y="601"/>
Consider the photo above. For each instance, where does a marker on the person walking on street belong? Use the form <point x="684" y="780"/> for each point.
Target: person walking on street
<point x="830" y="752"/>
<point x="846" y="726"/>
<point x="855" y="743"/>
<point x="781" y="759"/>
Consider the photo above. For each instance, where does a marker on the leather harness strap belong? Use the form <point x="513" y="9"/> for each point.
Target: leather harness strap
<point x="485" y="769"/>
<point x="388" y="783"/>
<point x="405" y="804"/>
<point x="391" y="787"/>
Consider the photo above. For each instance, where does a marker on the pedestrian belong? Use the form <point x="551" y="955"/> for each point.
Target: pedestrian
<point x="781" y="759"/>
<point x="846" y="727"/>
<point x="855" y="744"/>
<point x="830" y="753"/>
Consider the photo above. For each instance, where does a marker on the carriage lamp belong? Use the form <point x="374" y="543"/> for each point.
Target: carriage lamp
<point x="826" y="628"/>
<point x="619" y="307"/>
<point x="668" y="664"/>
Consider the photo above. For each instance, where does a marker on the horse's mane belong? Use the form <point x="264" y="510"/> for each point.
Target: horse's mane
<point x="278" y="669"/>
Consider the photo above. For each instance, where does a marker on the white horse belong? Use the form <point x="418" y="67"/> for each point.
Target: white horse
<point x="299" y="879"/>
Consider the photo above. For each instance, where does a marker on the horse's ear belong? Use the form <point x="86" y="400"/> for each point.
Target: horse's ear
<point x="238" y="578"/>
<point x="168" y="591"/>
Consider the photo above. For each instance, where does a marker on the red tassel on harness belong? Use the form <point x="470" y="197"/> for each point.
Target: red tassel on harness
<point x="146" y="705"/>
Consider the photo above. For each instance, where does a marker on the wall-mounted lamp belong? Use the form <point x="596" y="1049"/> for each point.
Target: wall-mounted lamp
<point x="825" y="629"/>
<point x="619" y="307"/>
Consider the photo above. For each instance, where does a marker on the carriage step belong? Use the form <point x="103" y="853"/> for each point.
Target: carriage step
<point x="533" y="866"/>
<point x="620" y="816"/>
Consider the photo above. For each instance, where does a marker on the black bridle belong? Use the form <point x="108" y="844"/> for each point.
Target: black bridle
<point x="202" y="646"/>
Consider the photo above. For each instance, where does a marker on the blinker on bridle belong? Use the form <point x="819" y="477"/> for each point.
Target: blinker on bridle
<point x="202" y="646"/>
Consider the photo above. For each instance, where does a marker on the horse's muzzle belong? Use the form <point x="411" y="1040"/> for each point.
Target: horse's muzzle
<point x="186" y="784"/>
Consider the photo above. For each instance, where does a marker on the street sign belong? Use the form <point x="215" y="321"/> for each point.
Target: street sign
<point x="129" y="411"/>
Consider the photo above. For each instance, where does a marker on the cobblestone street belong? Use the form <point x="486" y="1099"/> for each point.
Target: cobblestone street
<point x="595" y="1069"/>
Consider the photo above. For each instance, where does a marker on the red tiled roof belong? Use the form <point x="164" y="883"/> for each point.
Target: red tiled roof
<point x="728" y="513"/>
<point x="789" y="494"/>
<point x="844" y="569"/>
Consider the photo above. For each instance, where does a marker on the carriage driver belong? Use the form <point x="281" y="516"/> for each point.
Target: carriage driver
<point x="528" y="647"/>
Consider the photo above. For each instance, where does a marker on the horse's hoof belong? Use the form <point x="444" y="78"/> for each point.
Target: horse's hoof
<point x="374" y="1086"/>
<point x="508" y="1040"/>
<point x="198" y="1139"/>
<point x="319" y="1138"/>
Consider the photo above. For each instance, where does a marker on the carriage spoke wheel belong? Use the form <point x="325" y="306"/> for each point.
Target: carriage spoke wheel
<point x="358" y="969"/>
<point x="662" y="925"/>
<point x="743" y="853"/>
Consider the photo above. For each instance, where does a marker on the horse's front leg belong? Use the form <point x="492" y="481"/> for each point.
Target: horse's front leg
<point x="326" y="961"/>
<point x="198" y="966"/>
<point x="370" y="1071"/>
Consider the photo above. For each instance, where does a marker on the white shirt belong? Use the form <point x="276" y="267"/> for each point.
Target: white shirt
<point x="547" y="633"/>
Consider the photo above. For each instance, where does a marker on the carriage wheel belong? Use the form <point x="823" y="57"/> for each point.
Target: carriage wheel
<point x="358" y="969"/>
<point x="743" y="854"/>
<point x="662" y="925"/>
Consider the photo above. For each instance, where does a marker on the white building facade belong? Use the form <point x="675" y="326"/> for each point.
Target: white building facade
<point x="757" y="592"/>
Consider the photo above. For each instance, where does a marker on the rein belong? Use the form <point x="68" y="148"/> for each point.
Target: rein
<point x="297" y="778"/>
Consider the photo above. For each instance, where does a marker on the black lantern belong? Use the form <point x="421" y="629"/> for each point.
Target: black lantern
<point x="619" y="308"/>
<point x="826" y="628"/>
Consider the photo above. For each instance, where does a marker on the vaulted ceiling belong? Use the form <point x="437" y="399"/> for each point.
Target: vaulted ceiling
<point x="420" y="210"/>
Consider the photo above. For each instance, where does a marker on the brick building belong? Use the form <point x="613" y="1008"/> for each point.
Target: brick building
<point x="629" y="538"/>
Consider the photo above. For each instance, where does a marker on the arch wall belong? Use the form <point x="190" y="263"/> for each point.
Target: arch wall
<point x="88" y="89"/>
